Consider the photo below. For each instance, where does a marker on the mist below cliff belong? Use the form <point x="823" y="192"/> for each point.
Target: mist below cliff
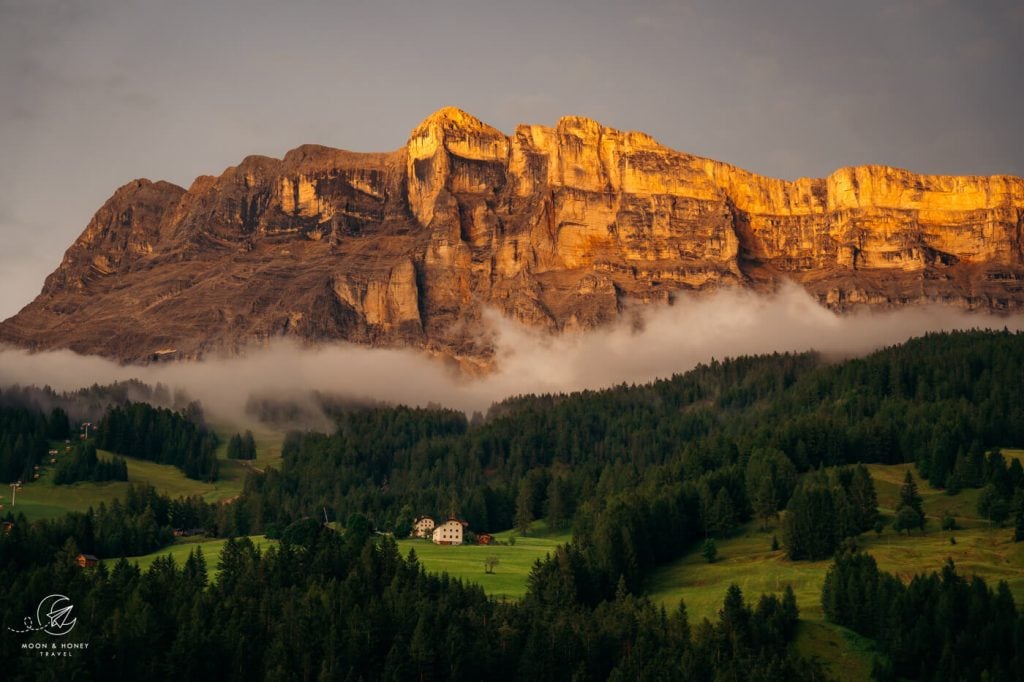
<point x="648" y="342"/>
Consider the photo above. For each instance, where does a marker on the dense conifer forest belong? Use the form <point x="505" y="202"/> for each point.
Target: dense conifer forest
<point x="25" y="434"/>
<point x="641" y="474"/>
<point x="161" y="435"/>
<point x="83" y="464"/>
<point x="940" y="626"/>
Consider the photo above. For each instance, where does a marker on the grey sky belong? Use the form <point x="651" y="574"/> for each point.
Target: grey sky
<point x="98" y="92"/>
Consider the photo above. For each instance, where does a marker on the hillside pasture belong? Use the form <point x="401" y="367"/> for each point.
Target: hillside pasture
<point x="42" y="499"/>
<point x="466" y="562"/>
<point x="747" y="560"/>
<point x="182" y="547"/>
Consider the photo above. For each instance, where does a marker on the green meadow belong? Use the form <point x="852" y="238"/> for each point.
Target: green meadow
<point x="182" y="547"/>
<point x="508" y="581"/>
<point x="747" y="560"/>
<point x="42" y="499"/>
<point x="466" y="562"/>
<point x="268" y="446"/>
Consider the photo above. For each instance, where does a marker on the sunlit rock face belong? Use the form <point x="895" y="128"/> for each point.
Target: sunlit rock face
<point x="557" y="228"/>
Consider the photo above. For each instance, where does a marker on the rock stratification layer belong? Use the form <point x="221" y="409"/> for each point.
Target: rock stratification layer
<point x="555" y="227"/>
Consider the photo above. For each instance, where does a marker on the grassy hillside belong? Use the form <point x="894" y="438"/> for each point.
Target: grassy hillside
<point x="844" y="654"/>
<point x="182" y="547"/>
<point x="467" y="561"/>
<point x="268" y="446"/>
<point x="43" y="499"/>
<point x="747" y="560"/>
<point x="937" y="504"/>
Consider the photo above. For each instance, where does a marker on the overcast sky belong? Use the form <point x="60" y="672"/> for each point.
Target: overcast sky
<point x="95" y="93"/>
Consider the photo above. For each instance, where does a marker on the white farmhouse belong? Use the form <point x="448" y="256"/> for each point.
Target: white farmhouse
<point x="422" y="527"/>
<point x="450" y="532"/>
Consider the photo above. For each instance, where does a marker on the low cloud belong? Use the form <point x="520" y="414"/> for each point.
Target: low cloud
<point x="647" y="343"/>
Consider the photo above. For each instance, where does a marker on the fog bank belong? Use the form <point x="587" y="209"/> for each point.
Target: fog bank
<point x="648" y="342"/>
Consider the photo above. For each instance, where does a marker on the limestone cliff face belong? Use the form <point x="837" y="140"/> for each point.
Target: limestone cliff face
<point x="556" y="227"/>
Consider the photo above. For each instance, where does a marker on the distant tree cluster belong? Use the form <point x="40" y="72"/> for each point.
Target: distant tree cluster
<point x="941" y="626"/>
<point x="826" y="508"/>
<point x="1002" y="489"/>
<point x="160" y="435"/>
<point x="770" y="479"/>
<point x="242" y="446"/>
<point x="24" y="439"/>
<point x="83" y="464"/>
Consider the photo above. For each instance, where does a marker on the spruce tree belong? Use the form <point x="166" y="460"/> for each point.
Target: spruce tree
<point x="863" y="498"/>
<point x="723" y="512"/>
<point x="556" y="505"/>
<point x="961" y="477"/>
<point x="770" y="479"/>
<point x="909" y="496"/>
<point x="1018" y="525"/>
<point x="709" y="551"/>
<point x="248" y="449"/>
<point x="906" y="519"/>
<point x="992" y="505"/>
<point x="235" y="447"/>
<point x="524" y="507"/>
<point x="810" y="528"/>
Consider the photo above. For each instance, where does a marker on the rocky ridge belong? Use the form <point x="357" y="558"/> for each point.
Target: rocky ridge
<point x="557" y="227"/>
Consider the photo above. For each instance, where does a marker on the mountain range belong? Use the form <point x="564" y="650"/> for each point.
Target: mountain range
<point x="558" y="228"/>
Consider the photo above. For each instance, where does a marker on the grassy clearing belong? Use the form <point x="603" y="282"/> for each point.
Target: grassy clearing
<point x="844" y="654"/>
<point x="42" y="499"/>
<point x="268" y="447"/>
<point x="467" y="561"/>
<point x="937" y="504"/>
<point x="747" y="560"/>
<point x="182" y="547"/>
<point x="1013" y="453"/>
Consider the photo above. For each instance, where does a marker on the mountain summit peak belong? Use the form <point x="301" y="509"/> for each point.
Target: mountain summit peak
<point x="450" y="118"/>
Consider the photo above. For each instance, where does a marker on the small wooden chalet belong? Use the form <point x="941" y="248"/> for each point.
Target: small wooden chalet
<point x="86" y="560"/>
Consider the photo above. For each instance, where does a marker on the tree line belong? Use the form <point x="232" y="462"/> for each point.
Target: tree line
<point x="140" y="522"/>
<point x="160" y="435"/>
<point x="940" y="626"/>
<point x="242" y="446"/>
<point x="349" y="606"/>
<point x="83" y="464"/>
<point x="25" y="434"/>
